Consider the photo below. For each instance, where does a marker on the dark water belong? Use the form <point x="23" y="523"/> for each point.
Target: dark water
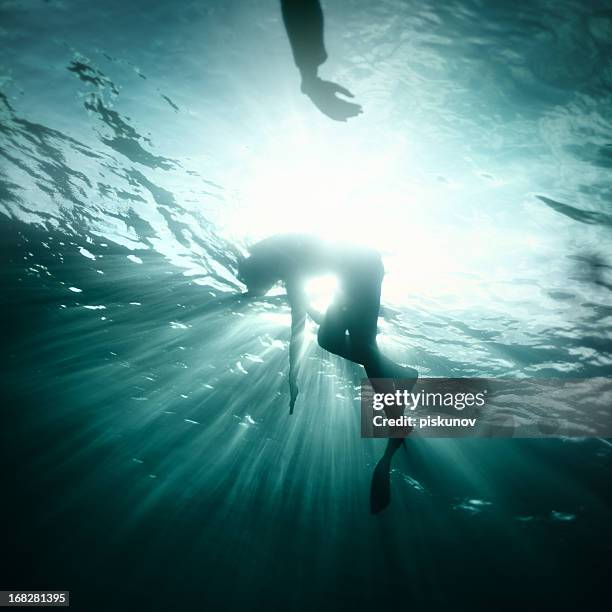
<point x="149" y="461"/>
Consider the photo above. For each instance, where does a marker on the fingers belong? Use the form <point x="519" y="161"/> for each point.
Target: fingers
<point x="350" y="110"/>
<point x="343" y="90"/>
<point x="342" y="114"/>
<point x="336" y="108"/>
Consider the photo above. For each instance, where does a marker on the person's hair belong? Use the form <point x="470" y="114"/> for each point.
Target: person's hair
<point x="256" y="274"/>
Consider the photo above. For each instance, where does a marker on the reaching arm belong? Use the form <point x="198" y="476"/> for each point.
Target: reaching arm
<point x="304" y="24"/>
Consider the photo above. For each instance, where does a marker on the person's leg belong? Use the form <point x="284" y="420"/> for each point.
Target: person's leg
<point x="332" y="335"/>
<point x="384" y="374"/>
<point x="362" y="309"/>
<point x="362" y="323"/>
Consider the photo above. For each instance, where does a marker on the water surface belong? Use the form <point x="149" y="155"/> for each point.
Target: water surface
<point x="146" y="435"/>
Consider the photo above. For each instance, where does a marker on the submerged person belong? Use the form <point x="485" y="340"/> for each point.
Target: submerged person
<point x="303" y="21"/>
<point x="349" y="326"/>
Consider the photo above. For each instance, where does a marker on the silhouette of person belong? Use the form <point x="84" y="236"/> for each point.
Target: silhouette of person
<point x="349" y="326"/>
<point x="303" y="21"/>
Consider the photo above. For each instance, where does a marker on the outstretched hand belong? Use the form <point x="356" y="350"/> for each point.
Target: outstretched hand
<point x="324" y="96"/>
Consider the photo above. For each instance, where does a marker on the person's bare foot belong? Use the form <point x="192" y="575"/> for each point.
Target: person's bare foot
<point x="380" y="489"/>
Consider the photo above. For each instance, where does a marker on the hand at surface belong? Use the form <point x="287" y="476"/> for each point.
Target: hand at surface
<point x="324" y="96"/>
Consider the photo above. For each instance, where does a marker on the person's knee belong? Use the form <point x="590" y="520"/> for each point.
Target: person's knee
<point x="330" y="341"/>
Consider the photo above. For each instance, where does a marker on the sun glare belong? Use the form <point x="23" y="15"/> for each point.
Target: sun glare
<point x="320" y="291"/>
<point x="346" y="191"/>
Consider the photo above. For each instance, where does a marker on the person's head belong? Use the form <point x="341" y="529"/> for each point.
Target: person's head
<point x="256" y="274"/>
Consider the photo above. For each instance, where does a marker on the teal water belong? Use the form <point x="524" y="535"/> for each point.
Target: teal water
<point x="146" y="438"/>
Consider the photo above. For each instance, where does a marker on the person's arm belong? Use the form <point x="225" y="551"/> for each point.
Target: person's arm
<point x="303" y="21"/>
<point x="304" y="24"/>
<point x="297" y="301"/>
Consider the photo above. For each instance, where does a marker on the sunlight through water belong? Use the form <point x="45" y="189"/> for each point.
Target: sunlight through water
<point x="145" y="146"/>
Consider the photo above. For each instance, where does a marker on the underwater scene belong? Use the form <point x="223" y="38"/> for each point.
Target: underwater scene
<point x="156" y="454"/>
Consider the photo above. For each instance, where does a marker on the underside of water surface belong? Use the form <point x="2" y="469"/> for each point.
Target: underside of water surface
<point x="149" y="460"/>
